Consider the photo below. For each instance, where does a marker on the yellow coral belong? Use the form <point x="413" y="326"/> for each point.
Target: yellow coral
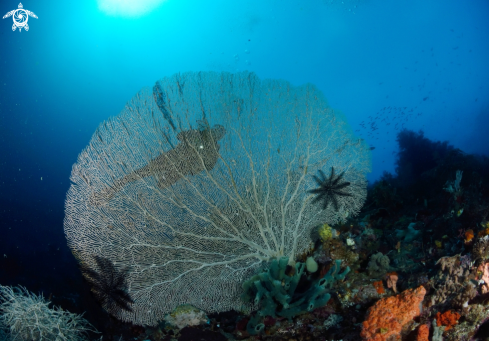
<point x="325" y="232"/>
<point x="438" y="244"/>
<point x="182" y="309"/>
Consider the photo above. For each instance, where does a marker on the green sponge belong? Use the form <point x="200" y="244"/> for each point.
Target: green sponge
<point x="274" y="291"/>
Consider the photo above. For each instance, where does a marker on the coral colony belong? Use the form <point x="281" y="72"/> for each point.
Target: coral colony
<point x="198" y="213"/>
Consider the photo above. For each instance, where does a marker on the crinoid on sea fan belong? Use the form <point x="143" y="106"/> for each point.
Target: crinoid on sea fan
<point x="108" y="285"/>
<point x="330" y="189"/>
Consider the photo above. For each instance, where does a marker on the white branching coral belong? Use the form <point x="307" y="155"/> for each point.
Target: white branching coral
<point x="205" y="178"/>
<point x="27" y="316"/>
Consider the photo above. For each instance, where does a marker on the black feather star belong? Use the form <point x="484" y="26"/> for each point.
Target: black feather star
<point x="330" y="189"/>
<point x="108" y="285"/>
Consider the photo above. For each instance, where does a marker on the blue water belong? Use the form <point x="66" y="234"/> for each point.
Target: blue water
<point x="387" y="65"/>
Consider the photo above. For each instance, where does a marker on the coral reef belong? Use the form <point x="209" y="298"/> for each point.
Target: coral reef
<point x="464" y="295"/>
<point x="378" y="265"/>
<point x="425" y="228"/>
<point x="337" y="250"/>
<point x="469" y="324"/>
<point x="450" y="263"/>
<point x="449" y="280"/>
<point x="413" y="237"/>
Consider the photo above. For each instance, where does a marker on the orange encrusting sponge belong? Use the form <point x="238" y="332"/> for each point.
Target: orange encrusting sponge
<point x="388" y="315"/>
<point x="379" y="287"/>
<point x="469" y="235"/>
<point x="423" y="333"/>
<point x="447" y="319"/>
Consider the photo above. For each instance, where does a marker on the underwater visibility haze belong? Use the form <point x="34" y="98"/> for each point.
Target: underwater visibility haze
<point x="246" y="170"/>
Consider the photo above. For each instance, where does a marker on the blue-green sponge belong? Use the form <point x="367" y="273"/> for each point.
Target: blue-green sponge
<point x="272" y="288"/>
